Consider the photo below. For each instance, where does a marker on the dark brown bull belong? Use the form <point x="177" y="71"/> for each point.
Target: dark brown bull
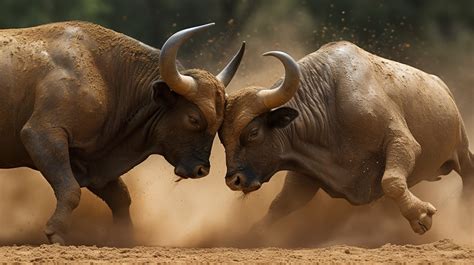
<point x="354" y="124"/>
<point x="84" y="104"/>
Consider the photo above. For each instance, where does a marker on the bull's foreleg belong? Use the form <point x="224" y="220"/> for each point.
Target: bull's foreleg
<point x="48" y="148"/>
<point x="297" y="191"/>
<point x="115" y="194"/>
<point x="401" y="154"/>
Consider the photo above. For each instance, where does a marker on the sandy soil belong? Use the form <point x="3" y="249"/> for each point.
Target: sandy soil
<point x="443" y="251"/>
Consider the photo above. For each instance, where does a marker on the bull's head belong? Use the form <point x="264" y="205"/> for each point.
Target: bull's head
<point x="254" y="122"/>
<point x="195" y="102"/>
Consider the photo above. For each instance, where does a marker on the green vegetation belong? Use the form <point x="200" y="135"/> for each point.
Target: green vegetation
<point x="365" y="21"/>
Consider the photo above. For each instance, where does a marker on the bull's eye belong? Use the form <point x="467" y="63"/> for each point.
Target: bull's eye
<point x="252" y="134"/>
<point x="193" y="121"/>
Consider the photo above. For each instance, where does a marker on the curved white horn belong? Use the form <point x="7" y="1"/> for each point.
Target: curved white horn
<point x="181" y="84"/>
<point x="276" y="97"/>
<point x="226" y="75"/>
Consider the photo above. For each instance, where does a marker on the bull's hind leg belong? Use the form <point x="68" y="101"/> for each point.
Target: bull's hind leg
<point x="401" y="153"/>
<point x="115" y="194"/>
<point x="48" y="148"/>
<point x="465" y="167"/>
<point x="297" y="191"/>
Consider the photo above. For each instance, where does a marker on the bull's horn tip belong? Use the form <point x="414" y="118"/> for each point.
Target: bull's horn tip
<point x="209" y="24"/>
<point x="204" y="26"/>
<point x="271" y="53"/>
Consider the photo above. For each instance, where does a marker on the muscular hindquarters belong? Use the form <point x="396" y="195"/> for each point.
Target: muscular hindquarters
<point x="384" y="92"/>
<point x="434" y="121"/>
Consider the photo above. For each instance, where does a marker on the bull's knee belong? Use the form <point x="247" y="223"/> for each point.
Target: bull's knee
<point x="32" y="135"/>
<point x="71" y="198"/>
<point x="28" y="134"/>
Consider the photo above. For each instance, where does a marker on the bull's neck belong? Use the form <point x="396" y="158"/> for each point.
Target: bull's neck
<point x="315" y="103"/>
<point x="129" y="71"/>
<point x="311" y="135"/>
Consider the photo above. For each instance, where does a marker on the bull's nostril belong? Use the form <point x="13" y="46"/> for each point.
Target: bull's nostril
<point x="180" y="171"/>
<point x="202" y="171"/>
<point x="237" y="180"/>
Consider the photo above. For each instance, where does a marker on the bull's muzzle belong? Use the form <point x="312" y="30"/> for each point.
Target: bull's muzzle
<point x="199" y="171"/>
<point x="239" y="181"/>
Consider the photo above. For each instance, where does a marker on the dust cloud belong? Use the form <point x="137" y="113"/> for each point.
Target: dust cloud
<point x="205" y="213"/>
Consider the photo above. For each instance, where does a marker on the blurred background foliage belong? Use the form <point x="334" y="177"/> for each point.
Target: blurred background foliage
<point x="429" y="34"/>
<point x="376" y="23"/>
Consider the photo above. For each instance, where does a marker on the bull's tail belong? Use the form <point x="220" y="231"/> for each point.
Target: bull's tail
<point x="466" y="166"/>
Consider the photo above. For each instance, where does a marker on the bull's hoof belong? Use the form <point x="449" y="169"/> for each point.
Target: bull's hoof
<point x="423" y="222"/>
<point x="54" y="238"/>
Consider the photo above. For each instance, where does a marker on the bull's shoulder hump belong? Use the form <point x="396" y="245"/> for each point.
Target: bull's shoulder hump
<point x="336" y="54"/>
<point x="339" y="49"/>
<point x="338" y="58"/>
<point x="51" y="30"/>
<point x="338" y="45"/>
<point x="81" y="34"/>
<point x="71" y="31"/>
<point x="105" y="38"/>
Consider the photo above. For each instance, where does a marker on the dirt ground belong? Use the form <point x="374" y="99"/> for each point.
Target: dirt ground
<point x="441" y="252"/>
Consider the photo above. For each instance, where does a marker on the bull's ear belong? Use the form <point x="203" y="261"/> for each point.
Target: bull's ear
<point x="280" y="118"/>
<point x="162" y="94"/>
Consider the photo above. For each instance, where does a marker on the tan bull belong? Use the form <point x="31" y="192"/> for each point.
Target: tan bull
<point x="352" y="123"/>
